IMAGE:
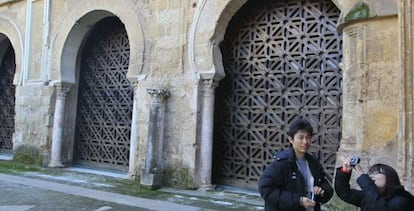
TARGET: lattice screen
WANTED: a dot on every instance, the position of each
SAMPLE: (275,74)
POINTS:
(105,98)
(7,100)
(281,60)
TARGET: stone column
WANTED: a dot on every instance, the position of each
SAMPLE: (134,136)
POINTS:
(153,173)
(58,124)
(134,137)
(207,129)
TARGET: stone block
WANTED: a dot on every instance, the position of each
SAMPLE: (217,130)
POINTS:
(154,181)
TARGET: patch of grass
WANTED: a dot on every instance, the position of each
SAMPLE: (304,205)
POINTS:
(16,167)
(336,204)
(28,154)
(133,187)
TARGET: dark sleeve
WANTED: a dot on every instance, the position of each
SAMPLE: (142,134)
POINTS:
(272,185)
(326,187)
(398,203)
(376,201)
(344,191)
(318,173)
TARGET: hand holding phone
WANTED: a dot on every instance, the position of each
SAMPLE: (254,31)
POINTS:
(312,196)
(353,161)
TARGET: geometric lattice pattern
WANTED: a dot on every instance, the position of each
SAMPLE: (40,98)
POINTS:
(7,100)
(105,98)
(281,60)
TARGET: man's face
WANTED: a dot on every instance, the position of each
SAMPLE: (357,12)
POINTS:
(301,141)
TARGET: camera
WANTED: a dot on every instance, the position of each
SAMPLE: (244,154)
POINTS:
(353,161)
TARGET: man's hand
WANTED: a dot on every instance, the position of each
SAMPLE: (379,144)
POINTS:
(318,191)
(307,202)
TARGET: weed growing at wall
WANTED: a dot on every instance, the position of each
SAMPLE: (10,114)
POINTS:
(28,154)
(179,178)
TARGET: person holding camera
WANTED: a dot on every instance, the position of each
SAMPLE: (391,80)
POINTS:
(295,180)
(381,188)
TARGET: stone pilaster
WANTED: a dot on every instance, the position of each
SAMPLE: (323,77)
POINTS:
(405,139)
(153,173)
(58,124)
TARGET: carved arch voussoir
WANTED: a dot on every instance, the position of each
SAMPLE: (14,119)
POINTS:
(67,39)
(207,32)
(11,32)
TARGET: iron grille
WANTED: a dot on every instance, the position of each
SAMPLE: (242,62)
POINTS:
(7,100)
(105,98)
(281,60)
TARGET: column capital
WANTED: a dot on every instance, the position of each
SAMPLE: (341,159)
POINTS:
(210,83)
(158,95)
(62,89)
(62,83)
(209,86)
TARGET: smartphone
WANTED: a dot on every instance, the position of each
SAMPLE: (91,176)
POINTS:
(312,196)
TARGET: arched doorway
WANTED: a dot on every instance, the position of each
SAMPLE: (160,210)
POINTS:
(104,112)
(7,96)
(281,60)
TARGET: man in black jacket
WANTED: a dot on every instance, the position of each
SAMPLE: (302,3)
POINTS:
(295,179)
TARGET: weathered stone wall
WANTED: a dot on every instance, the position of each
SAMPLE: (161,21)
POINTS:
(375,88)
(370,99)
(33,118)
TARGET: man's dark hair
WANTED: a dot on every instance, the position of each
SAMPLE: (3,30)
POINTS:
(299,124)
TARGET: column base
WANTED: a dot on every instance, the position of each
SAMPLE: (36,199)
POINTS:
(207,187)
(130,175)
(153,181)
(55,164)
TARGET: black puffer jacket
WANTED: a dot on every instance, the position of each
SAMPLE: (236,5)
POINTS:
(369,198)
(281,184)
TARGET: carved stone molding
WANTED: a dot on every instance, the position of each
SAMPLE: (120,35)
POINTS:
(405,140)
(8,1)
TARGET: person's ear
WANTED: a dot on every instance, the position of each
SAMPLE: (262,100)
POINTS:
(290,139)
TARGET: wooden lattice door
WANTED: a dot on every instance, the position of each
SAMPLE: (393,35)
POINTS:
(104,99)
(281,60)
(7,100)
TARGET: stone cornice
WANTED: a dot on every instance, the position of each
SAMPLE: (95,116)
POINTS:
(2,2)
(364,9)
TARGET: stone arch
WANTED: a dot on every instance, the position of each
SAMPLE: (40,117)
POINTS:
(66,42)
(204,51)
(72,30)
(9,30)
